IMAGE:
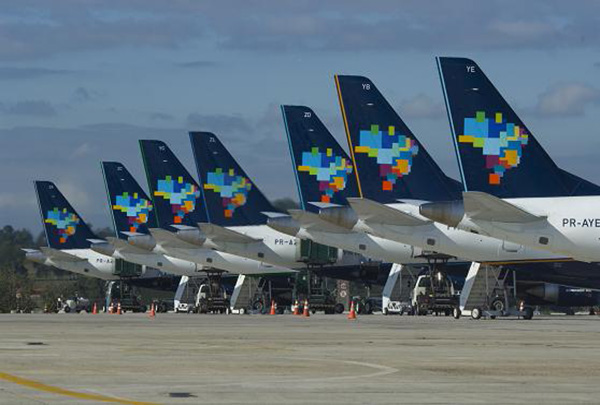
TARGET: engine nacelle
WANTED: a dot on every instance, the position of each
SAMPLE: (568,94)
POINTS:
(445,212)
(104,248)
(284,224)
(192,236)
(146,242)
(342,216)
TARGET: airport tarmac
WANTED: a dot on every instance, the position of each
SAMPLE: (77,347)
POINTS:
(285,359)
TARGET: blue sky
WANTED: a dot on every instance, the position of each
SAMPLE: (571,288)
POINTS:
(83,81)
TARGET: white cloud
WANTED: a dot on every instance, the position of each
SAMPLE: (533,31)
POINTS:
(421,106)
(567,99)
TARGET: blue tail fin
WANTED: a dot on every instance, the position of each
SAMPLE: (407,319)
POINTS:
(176,195)
(497,152)
(231,198)
(390,162)
(131,208)
(324,172)
(64,228)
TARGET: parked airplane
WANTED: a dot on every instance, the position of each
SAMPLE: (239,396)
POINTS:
(513,189)
(68,238)
(237,223)
(325,178)
(395,175)
(324,175)
(140,241)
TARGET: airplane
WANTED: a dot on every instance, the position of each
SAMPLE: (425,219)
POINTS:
(234,221)
(325,177)
(392,189)
(513,189)
(140,241)
(221,176)
(68,238)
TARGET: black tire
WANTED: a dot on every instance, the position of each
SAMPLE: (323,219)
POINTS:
(476,313)
(258,305)
(67,309)
(164,308)
(497,305)
(368,308)
(527,313)
(456,313)
(143,309)
(339,308)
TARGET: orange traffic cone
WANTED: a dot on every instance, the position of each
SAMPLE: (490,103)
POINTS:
(272,308)
(152,312)
(306,314)
(94,309)
(296,309)
(119,312)
(352,313)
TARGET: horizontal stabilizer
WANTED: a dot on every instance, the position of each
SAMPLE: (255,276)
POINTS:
(218,233)
(125,246)
(486,207)
(270,214)
(167,239)
(322,205)
(312,221)
(59,255)
(372,211)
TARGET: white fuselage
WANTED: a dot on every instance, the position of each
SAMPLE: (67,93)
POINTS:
(95,264)
(453,242)
(163,262)
(373,247)
(274,247)
(206,259)
(571,227)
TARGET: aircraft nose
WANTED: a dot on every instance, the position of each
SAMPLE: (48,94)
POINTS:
(446,212)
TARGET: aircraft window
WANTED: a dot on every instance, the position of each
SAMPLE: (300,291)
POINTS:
(544,240)
(424,282)
(209,260)
(430,241)
(362,247)
(261,254)
(159,264)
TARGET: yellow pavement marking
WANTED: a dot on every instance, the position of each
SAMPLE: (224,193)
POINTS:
(61,391)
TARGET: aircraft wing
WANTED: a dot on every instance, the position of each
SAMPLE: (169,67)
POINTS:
(221,234)
(310,220)
(372,211)
(486,207)
(59,255)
